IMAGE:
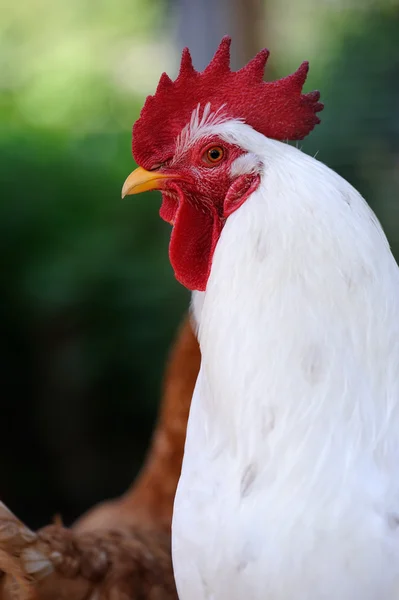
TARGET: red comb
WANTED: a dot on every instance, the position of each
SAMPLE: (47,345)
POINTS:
(277,109)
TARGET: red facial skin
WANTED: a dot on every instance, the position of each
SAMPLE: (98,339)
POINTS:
(197,204)
(200,202)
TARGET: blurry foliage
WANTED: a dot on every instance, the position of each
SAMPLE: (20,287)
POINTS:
(88,299)
(359,135)
(68,64)
(89,305)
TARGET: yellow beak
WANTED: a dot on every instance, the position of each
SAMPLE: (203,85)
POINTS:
(141,180)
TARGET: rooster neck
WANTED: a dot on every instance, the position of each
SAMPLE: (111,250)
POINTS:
(289,480)
(300,317)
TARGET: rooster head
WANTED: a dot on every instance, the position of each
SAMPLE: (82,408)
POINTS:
(204,176)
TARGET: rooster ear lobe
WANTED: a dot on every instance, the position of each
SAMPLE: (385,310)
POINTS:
(239,192)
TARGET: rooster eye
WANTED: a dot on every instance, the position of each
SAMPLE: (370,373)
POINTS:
(213,155)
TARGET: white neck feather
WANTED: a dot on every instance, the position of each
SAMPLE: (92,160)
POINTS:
(289,485)
(299,327)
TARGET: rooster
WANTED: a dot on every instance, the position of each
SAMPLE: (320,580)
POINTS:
(289,486)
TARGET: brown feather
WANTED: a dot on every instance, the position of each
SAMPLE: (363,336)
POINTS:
(120,550)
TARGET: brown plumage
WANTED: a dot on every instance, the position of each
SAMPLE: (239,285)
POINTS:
(119,550)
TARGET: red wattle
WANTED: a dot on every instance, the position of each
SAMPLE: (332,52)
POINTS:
(168,209)
(192,244)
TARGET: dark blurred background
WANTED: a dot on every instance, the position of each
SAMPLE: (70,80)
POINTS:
(89,304)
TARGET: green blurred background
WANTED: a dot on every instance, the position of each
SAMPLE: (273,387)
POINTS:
(89,304)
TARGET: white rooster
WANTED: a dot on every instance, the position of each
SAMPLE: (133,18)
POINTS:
(290,480)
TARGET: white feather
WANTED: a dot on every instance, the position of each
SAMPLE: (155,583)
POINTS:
(199,126)
(290,480)
(36,563)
